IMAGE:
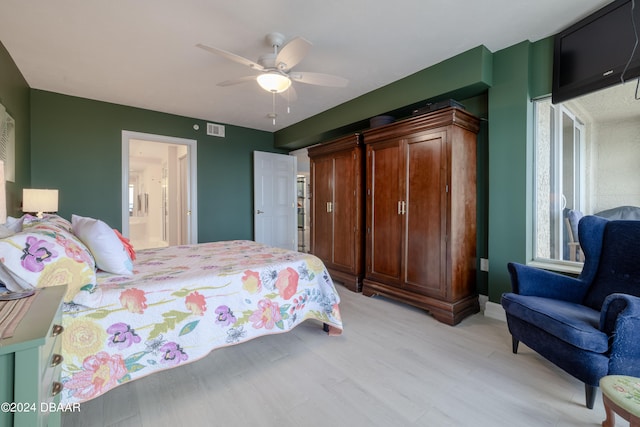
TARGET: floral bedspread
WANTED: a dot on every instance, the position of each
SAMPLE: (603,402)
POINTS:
(184,301)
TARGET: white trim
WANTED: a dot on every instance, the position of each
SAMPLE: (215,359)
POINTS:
(192,153)
(559,267)
(494,311)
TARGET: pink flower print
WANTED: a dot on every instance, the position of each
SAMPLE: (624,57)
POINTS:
(36,252)
(133,300)
(172,353)
(287,282)
(267,314)
(196,303)
(123,336)
(298,303)
(73,251)
(100,372)
(251,282)
(224,316)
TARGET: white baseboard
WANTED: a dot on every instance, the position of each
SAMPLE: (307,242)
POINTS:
(494,311)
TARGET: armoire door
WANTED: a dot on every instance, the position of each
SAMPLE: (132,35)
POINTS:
(384,213)
(322,199)
(344,206)
(425,218)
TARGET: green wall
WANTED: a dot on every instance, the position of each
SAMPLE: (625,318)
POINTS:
(509,209)
(14,96)
(521,72)
(76,146)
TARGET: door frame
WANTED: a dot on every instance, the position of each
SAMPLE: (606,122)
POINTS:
(192,176)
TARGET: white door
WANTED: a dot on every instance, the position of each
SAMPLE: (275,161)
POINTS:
(274,200)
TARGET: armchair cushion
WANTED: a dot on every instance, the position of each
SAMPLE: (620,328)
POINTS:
(618,272)
(532,281)
(573,323)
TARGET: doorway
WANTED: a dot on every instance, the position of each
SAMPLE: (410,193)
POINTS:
(158,190)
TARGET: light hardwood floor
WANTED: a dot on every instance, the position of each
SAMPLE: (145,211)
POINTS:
(394,365)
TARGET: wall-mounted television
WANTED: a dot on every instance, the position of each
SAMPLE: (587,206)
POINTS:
(592,54)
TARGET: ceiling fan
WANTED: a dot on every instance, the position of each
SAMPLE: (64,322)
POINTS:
(276,68)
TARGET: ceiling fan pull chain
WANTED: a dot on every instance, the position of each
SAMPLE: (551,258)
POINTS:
(273,107)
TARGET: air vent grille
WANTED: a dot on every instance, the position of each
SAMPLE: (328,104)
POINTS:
(214,129)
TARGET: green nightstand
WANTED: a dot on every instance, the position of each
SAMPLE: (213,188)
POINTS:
(30,364)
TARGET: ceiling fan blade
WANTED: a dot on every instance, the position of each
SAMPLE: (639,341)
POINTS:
(292,53)
(232,56)
(319,79)
(240,80)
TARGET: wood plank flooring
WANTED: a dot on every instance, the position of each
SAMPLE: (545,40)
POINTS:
(394,365)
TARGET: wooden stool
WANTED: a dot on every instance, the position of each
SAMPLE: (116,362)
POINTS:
(621,394)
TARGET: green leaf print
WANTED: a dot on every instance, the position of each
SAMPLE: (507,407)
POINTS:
(181,293)
(244,319)
(284,311)
(171,319)
(135,367)
(100,314)
(134,357)
(189,327)
(89,287)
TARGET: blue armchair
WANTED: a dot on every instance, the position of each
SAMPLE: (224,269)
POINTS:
(590,325)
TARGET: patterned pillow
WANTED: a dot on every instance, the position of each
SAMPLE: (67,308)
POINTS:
(47,222)
(46,255)
(110,253)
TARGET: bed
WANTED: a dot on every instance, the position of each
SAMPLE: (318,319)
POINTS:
(177,304)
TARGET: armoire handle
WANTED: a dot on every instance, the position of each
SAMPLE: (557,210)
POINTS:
(402,207)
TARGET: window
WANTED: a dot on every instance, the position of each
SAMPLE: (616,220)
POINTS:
(559,180)
(586,162)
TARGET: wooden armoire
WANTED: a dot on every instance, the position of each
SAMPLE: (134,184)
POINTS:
(337,208)
(421,213)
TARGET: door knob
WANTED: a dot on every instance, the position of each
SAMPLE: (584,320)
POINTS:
(259,211)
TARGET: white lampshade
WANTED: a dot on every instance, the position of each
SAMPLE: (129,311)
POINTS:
(274,82)
(37,200)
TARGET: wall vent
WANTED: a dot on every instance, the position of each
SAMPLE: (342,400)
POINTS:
(214,129)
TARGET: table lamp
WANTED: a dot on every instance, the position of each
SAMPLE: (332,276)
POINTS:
(39,200)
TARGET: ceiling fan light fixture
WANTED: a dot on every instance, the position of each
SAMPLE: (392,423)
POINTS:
(273,82)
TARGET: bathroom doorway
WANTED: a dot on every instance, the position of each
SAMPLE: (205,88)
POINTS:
(159,190)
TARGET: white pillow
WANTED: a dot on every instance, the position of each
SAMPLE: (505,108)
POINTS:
(107,248)
(11,227)
(14,224)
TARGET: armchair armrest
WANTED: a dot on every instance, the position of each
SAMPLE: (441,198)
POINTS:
(620,320)
(532,281)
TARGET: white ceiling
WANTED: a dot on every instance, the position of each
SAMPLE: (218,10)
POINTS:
(142,52)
